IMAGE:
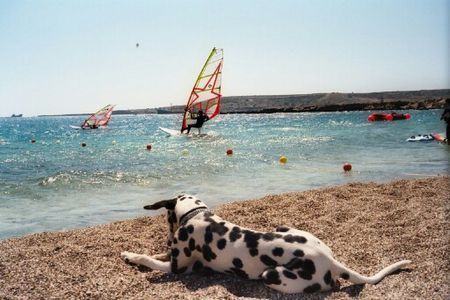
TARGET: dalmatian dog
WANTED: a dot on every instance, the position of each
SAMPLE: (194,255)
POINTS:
(287,260)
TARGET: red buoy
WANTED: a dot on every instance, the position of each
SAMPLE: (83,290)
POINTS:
(389,117)
(407,116)
(229,151)
(149,147)
(347,167)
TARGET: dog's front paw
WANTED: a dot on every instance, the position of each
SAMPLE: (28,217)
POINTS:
(129,257)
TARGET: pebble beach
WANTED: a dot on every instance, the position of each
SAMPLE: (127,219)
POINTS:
(367,225)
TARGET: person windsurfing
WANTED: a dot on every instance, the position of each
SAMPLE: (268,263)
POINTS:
(200,119)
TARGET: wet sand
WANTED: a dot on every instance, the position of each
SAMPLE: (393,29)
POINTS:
(367,225)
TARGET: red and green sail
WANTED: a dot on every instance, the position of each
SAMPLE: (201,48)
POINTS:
(100,118)
(206,93)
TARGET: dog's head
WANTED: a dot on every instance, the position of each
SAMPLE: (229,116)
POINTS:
(179,209)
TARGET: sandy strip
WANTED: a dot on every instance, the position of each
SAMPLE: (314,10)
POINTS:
(367,225)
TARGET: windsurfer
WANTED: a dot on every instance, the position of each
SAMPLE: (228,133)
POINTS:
(200,119)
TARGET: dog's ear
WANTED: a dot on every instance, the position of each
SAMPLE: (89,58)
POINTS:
(169,204)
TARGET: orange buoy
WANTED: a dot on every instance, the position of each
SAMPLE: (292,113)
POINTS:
(149,147)
(347,167)
(229,151)
(283,160)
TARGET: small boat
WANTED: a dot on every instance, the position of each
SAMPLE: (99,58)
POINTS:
(425,138)
(16,116)
(392,116)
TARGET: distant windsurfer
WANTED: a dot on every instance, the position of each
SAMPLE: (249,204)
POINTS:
(446,117)
(200,119)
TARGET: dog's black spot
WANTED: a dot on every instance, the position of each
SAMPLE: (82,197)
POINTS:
(309,266)
(268,261)
(300,239)
(295,263)
(219,228)
(278,251)
(345,276)
(183,198)
(272,277)
(312,288)
(332,283)
(304,275)
(282,229)
(175,241)
(169,243)
(198,266)
(235,234)
(238,263)
(327,278)
(221,243)
(289,275)
(308,269)
(190,228)
(198,202)
(240,273)
(175,252)
(253,252)
(192,244)
(208,236)
(270,236)
(251,238)
(208,254)
(198,248)
(299,252)
(289,238)
(183,234)
(187,252)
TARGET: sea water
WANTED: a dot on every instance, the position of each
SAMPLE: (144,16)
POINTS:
(56,184)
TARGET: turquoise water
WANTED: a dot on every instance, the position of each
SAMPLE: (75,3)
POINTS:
(55,184)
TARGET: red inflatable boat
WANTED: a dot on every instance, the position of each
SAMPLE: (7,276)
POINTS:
(388,117)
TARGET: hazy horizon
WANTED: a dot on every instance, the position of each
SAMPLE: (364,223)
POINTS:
(76,56)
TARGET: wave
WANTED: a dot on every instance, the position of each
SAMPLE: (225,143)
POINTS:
(81,178)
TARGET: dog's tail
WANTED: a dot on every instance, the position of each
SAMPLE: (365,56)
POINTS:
(344,272)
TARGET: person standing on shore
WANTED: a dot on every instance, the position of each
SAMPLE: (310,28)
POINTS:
(446,117)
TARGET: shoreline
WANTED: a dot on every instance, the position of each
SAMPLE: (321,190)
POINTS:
(367,225)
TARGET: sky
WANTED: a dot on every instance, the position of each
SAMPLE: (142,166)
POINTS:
(75,56)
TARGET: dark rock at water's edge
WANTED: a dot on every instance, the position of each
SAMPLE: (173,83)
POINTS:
(323,102)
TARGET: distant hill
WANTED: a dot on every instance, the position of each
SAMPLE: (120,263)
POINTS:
(423,99)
